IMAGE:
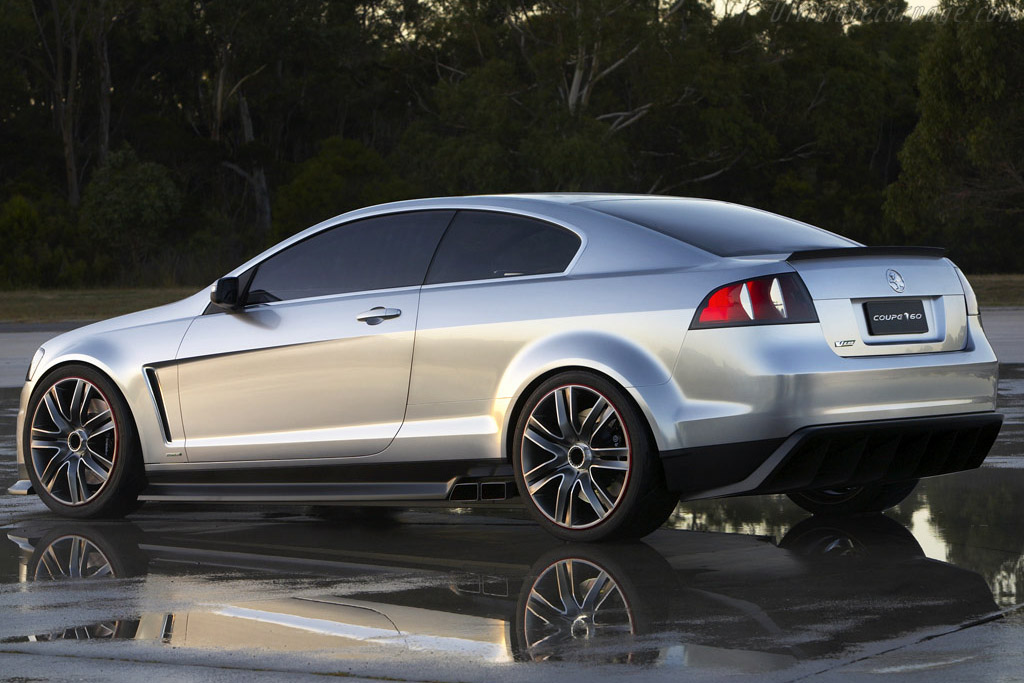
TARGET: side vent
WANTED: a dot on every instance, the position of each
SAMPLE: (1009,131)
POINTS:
(158,398)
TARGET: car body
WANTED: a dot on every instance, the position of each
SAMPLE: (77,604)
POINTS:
(428,350)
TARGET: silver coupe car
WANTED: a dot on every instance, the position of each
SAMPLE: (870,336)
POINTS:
(599,356)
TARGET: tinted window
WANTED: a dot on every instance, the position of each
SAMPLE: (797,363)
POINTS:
(481,245)
(722,229)
(373,253)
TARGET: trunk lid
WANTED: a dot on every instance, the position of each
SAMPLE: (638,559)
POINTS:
(875,301)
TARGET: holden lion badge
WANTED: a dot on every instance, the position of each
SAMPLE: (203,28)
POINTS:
(895,281)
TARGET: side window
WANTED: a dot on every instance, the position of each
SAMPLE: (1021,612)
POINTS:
(481,245)
(373,253)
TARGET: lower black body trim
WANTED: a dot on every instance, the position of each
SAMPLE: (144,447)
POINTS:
(296,493)
(830,456)
(357,471)
(334,483)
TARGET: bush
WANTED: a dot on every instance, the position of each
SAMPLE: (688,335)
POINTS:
(37,249)
(129,215)
(344,175)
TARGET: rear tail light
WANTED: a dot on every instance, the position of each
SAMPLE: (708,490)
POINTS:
(773,299)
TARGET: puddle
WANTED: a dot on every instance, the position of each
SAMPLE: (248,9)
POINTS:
(744,584)
(506,596)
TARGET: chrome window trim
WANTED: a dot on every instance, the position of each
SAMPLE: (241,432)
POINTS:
(324,297)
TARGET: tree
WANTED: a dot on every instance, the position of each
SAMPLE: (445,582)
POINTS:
(129,212)
(344,175)
(962,183)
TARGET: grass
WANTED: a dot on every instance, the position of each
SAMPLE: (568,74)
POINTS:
(59,305)
(998,290)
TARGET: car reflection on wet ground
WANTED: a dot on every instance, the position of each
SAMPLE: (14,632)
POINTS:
(729,587)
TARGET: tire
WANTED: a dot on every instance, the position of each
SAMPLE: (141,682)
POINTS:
(80,438)
(585,464)
(854,500)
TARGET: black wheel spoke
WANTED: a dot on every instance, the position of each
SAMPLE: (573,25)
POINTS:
(77,402)
(550,446)
(543,474)
(563,500)
(563,403)
(540,428)
(592,599)
(51,470)
(599,414)
(53,410)
(99,423)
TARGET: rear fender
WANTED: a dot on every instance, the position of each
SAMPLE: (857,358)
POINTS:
(620,360)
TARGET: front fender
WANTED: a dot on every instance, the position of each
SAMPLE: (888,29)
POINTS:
(120,354)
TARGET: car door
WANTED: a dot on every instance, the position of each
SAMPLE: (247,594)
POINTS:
(316,364)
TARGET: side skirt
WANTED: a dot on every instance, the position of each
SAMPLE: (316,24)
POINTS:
(434,482)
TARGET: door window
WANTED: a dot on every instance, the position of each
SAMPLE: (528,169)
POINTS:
(381,252)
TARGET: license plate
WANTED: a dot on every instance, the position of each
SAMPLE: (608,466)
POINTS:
(896,317)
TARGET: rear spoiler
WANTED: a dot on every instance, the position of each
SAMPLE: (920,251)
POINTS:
(843,252)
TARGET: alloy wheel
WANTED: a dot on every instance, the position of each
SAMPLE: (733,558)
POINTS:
(73,441)
(576,456)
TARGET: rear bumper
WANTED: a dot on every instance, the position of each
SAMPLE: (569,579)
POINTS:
(766,382)
(829,456)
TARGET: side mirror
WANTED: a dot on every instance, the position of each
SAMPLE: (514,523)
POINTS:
(225,293)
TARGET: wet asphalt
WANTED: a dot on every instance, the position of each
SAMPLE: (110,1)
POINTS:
(749,588)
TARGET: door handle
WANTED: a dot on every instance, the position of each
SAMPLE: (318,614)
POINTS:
(377,315)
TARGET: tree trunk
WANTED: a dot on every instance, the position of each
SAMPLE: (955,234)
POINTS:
(219,95)
(101,29)
(63,82)
(258,178)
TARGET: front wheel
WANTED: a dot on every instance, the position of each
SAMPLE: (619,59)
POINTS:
(584,462)
(81,448)
(854,500)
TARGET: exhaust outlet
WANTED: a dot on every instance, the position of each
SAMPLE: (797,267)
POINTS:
(494,490)
(465,491)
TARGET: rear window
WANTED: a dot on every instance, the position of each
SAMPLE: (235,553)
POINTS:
(722,229)
(481,245)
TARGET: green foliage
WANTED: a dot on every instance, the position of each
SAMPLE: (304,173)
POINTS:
(270,115)
(37,249)
(344,175)
(20,226)
(961,184)
(129,210)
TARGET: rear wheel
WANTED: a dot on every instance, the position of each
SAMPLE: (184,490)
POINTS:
(584,462)
(854,500)
(81,448)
